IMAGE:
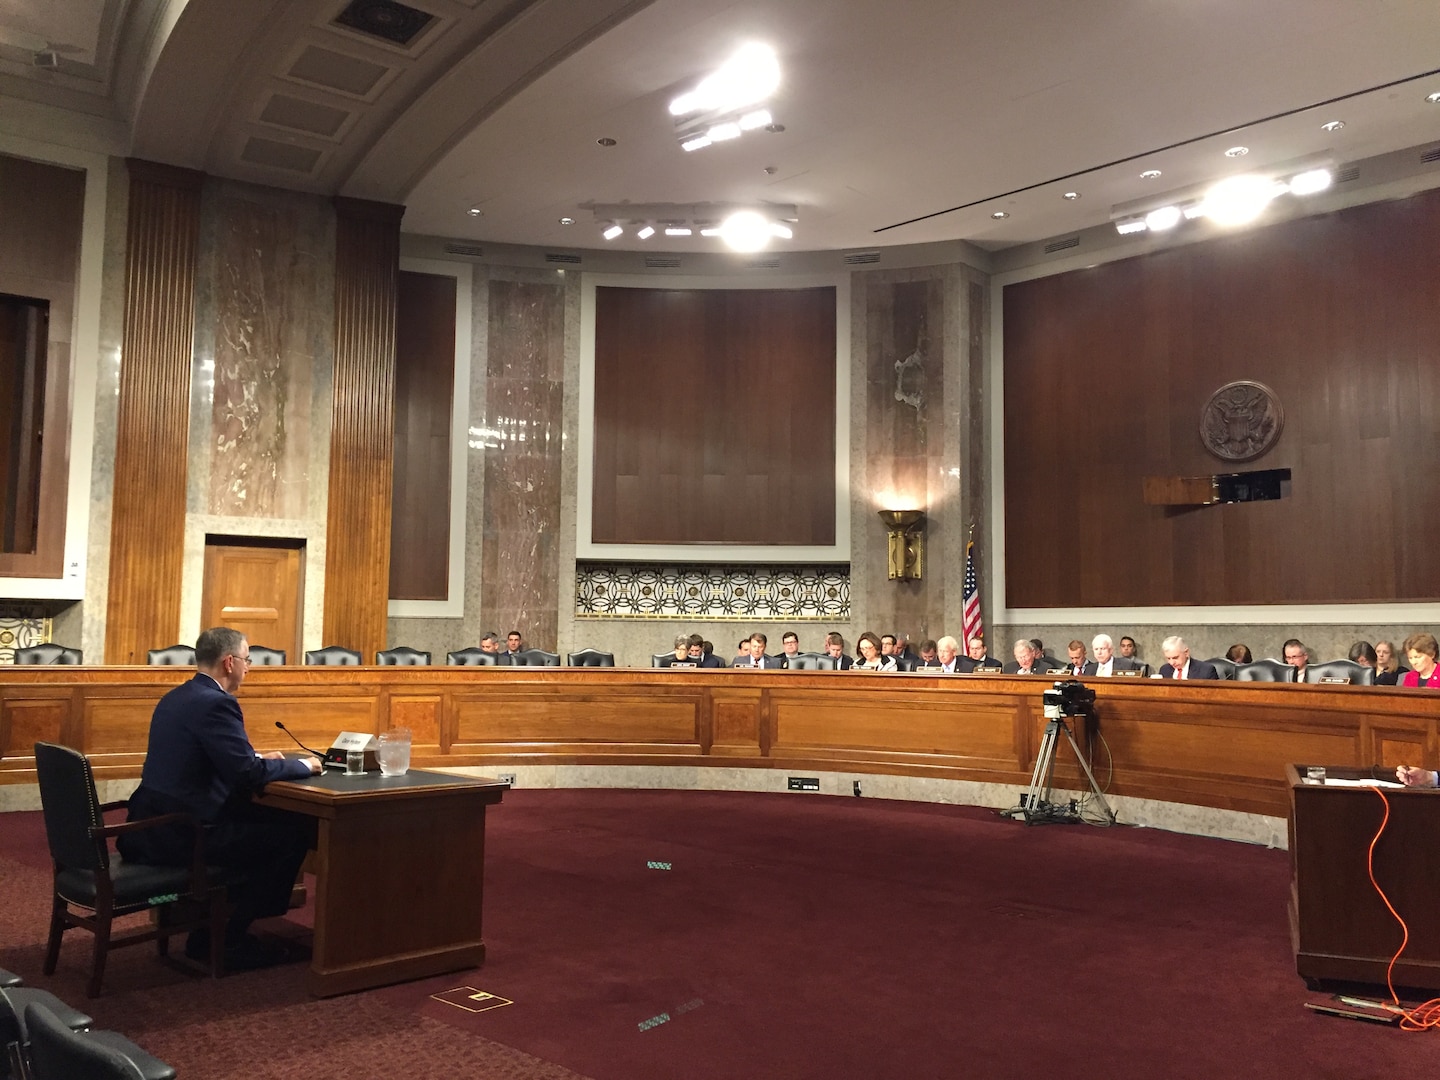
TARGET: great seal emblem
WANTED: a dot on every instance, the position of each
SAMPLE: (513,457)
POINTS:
(1241,421)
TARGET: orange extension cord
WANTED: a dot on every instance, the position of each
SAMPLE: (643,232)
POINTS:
(1422,1017)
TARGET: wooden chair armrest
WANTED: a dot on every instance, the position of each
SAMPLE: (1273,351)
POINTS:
(145,823)
(105,808)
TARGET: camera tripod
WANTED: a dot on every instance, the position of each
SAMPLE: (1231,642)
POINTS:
(1035,806)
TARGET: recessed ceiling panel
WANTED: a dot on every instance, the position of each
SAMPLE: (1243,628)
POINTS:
(278,155)
(286,111)
(337,71)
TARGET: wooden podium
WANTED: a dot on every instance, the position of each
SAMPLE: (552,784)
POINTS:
(399,874)
(1340,927)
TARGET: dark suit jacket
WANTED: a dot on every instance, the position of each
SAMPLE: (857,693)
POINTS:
(1040,668)
(965,666)
(1087,668)
(766,661)
(844,663)
(1199,669)
(712,661)
(199,756)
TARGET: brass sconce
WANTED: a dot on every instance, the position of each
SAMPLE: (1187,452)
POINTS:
(907,543)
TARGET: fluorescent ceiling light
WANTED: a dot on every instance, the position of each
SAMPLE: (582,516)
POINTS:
(721,132)
(710,232)
(1310,181)
(1239,200)
(758,119)
(699,142)
(677,232)
(645,233)
(748,77)
(782,231)
(612,232)
(1134,225)
(745,230)
(1166,217)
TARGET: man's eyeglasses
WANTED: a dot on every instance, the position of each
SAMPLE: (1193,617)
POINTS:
(237,656)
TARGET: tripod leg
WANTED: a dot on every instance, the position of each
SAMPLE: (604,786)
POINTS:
(1039,793)
(1094,787)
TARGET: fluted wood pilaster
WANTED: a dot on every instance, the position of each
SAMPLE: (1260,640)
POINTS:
(362,436)
(147,524)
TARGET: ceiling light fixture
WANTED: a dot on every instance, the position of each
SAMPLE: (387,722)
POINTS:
(698,142)
(647,232)
(730,100)
(606,141)
(724,132)
(1239,200)
(750,225)
(999,215)
(1150,174)
(1166,217)
(1433,99)
(1131,225)
(745,230)
(474,211)
(1237,151)
(612,232)
(1071,195)
(1310,182)
(1332,125)
(758,119)
(674,231)
(567,221)
(1233,201)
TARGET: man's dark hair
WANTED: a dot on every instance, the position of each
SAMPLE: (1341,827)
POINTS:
(757,636)
(515,633)
(1039,645)
(489,637)
(708,647)
(693,640)
(1128,638)
(790,635)
(215,644)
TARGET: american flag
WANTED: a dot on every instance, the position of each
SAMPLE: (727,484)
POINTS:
(972,624)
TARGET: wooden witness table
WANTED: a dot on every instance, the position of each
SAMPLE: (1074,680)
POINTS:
(399,874)
(1341,929)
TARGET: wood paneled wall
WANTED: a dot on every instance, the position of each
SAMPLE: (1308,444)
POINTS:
(147,522)
(714,416)
(1107,370)
(424,405)
(41,214)
(362,438)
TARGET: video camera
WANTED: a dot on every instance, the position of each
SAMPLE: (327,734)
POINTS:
(1069,698)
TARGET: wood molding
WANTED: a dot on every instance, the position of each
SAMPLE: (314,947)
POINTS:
(362,434)
(147,525)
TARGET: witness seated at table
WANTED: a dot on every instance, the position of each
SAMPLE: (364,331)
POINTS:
(1421,651)
(1239,654)
(1179,665)
(870,659)
(1387,668)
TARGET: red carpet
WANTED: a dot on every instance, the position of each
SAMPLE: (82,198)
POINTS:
(792,936)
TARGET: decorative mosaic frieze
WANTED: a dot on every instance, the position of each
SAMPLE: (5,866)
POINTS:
(21,627)
(661,591)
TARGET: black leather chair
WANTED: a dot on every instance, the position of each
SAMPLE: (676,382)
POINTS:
(809,661)
(1264,671)
(9,979)
(536,658)
(1353,673)
(260,656)
(333,656)
(88,876)
(904,663)
(173,656)
(48,654)
(1225,668)
(591,658)
(14,1034)
(57,1053)
(471,658)
(661,659)
(402,656)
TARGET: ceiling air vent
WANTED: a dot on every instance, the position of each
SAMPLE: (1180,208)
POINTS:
(661,262)
(475,251)
(1429,157)
(1350,172)
(384,19)
(562,257)
(861,258)
(762,264)
(1062,245)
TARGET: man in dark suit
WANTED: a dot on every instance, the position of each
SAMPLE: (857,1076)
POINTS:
(200,762)
(1028,660)
(1080,664)
(790,648)
(835,649)
(703,653)
(758,657)
(1178,664)
(514,646)
(1106,662)
(976,658)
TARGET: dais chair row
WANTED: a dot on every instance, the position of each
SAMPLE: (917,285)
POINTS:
(1275,671)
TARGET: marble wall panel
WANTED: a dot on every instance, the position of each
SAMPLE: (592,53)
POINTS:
(523,435)
(265,322)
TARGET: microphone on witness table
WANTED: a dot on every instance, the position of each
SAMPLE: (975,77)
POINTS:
(298,743)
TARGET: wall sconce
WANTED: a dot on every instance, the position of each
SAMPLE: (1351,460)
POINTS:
(907,543)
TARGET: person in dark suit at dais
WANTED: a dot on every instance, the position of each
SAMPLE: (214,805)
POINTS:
(1178,664)
(199,761)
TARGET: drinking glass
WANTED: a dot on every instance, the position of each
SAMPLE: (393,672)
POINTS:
(395,752)
(354,762)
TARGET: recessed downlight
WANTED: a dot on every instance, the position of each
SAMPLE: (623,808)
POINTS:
(606,141)
(567,221)
(999,215)
(1237,151)
(1433,99)
(1332,125)
(1071,195)
(1150,174)
(474,211)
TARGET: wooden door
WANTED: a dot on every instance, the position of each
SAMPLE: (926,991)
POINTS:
(255,588)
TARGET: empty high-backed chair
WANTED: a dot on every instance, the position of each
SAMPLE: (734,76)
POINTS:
(1264,671)
(537,658)
(174,656)
(1225,668)
(402,656)
(333,656)
(809,661)
(1353,673)
(471,658)
(661,659)
(48,654)
(14,1033)
(591,658)
(260,656)
(58,1053)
